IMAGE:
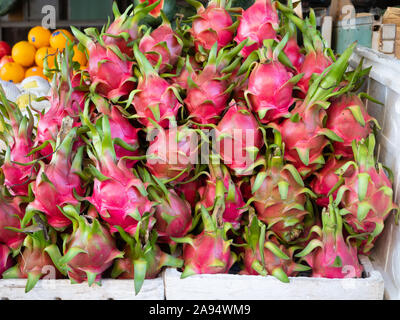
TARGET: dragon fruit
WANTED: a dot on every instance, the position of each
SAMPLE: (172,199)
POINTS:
(110,72)
(366,195)
(275,102)
(5,259)
(264,255)
(89,250)
(17,176)
(331,256)
(349,119)
(220,190)
(10,215)
(208,91)
(293,52)
(162,43)
(189,191)
(173,153)
(211,25)
(125,27)
(154,99)
(209,252)
(125,136)
(304,135)
(34,262)
(143,257)
(118,195)
(239,139)
(258,23)
(59,182)
(280,197)
(326,180)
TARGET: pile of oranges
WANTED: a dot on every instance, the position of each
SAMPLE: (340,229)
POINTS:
(28,57)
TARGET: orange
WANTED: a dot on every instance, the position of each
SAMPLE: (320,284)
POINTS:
(24,53)
(39,37)
(41,54)
(35,71)
(12,72)
(79,56)
(58,39)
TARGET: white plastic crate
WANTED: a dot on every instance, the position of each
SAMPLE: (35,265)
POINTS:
(14,289)
(384,85)
(243,287)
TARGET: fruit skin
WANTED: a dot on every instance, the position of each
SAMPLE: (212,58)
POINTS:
(220,190)
(165,43)
(280,198)
(155,98)
(5,49)
(330,256)
(5,59)
(274,103)
(58,39)
(39,37)
(257,23)
(326,178)
(172,153)
(89,250)
(35,71)
(12,72)
(10,215)
(211,25)
(366,195)
(118,195)
(209,252)
(5,259)
(79,56)
(48,53)
(58,182)
(24,53)
(18,176)
(342,121)
(239,149)
(293,52)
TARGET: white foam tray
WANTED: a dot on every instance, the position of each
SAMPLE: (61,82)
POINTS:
(14,289)
(242,287)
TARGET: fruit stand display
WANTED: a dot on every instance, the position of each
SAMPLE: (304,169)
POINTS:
(210,153)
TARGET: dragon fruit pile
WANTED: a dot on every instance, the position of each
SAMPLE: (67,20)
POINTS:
(213,144)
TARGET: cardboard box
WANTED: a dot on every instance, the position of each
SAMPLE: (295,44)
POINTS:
(392,16)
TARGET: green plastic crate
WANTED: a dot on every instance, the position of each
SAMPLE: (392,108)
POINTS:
(358,29)
(79,10)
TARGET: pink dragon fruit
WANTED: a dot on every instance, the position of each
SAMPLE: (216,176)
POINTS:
(162,42)
(279,197)
(331,256)
(239,139)
(10,215)
(349,119)
(118,195)
(211,25)
(258,23)
(221,191)
(274,103)
(304,135)
(110,72)
(122,132)
(293,52)
(58,182)
(326,179)
(124,29)
(209,252)
(208,91)
(173,153)
(17,176)
(184,71)
(154,99)
(34,262)
(143,258)
(89,250)
(5,259)
(189,191)
(366,195)
(275,259)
